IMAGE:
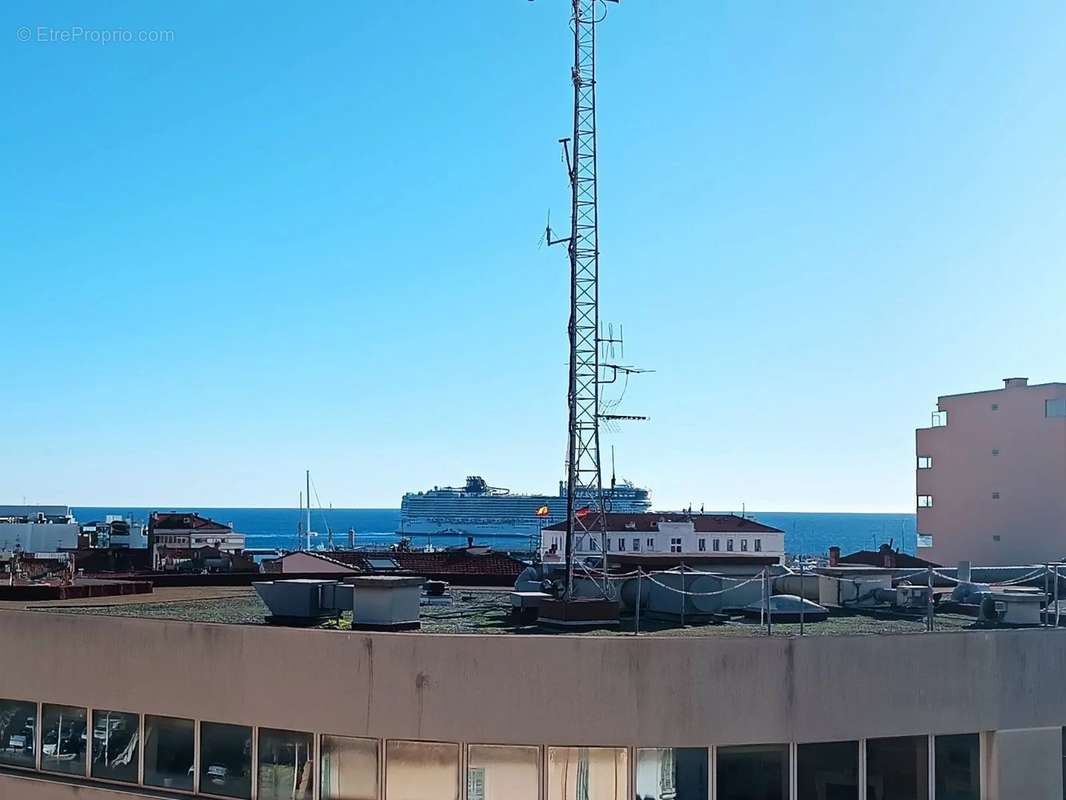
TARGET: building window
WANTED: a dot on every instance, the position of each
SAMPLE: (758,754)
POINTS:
(925,540)
(116,737)
(498,772)
(940,419)
(675,545)
(285,771)
(899,766)
(168,752)
(703,545)
(673,772)
(604,773)
(348,768)
(716,545)
(63,739)
(621,544)
(636,545)
(18,733)
(995,406)
(428,770)
(925,501)
(226,760)
(925,462)
(995,537)
(828,769)
(758,546)
(729,545)
(957,765)
(743,545)
(650,542)
(995,495)
(756,771)
(1055,408)
(995,452)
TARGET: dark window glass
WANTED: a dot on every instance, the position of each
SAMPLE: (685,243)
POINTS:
(672,772)
(285,771)
(897,768)
(759,772)
(349,768)
(225,760)
(958,767)
(63,742)
(116,739)
(18,732)
(168,752)
(828,771)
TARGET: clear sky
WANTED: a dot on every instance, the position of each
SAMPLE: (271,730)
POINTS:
(305,235)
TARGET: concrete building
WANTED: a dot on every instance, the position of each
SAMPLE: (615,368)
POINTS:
(697,535)
(991,476)
(180,530)
(973,715)
(38,529)
(118,532)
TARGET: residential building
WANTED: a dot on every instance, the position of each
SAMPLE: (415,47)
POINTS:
(490,716)
(685,534)
(38,529)
(185,530)
(991,476)
(118,532)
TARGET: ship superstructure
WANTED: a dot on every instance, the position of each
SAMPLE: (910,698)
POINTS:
(477,508)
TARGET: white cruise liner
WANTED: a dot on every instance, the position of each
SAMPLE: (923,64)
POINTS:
(478,508)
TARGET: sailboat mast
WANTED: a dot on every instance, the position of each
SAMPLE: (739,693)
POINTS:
(307,532)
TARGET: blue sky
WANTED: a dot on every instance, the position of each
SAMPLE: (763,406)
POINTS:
(306,235)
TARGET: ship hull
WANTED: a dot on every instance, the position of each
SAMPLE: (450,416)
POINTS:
(507,515)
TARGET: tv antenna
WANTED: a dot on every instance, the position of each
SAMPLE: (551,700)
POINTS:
(586,511)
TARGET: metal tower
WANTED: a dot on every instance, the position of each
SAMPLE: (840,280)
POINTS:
(585,507)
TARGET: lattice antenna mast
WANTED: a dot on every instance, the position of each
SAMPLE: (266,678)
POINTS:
(585,510)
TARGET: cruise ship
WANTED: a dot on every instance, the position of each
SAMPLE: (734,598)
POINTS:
(478,508)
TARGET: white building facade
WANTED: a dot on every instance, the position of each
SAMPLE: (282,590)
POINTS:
(38,529)
(698,535)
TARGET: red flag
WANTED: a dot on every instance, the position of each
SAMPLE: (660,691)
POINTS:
(583,512)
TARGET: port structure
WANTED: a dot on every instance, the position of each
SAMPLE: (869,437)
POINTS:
(585,507)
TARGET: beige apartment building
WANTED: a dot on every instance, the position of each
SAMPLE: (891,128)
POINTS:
(991,476)
(112,708)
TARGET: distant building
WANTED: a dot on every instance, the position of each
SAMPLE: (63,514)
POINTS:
(461,565)
(991,476)
(116,531)
(187,531)
(699,535)
(38,529)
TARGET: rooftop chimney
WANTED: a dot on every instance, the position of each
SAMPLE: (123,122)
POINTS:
(1011,383)
(834,556)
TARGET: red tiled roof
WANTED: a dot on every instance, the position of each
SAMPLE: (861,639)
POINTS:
(459,562)
(703,523)
(177,521)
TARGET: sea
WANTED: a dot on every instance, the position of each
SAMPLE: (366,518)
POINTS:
(276,528)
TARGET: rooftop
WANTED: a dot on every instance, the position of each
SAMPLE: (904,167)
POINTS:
(182,521)
(703,523)
(471,611)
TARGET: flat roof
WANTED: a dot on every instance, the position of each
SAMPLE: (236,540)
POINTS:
(1001,389)
(472,611)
